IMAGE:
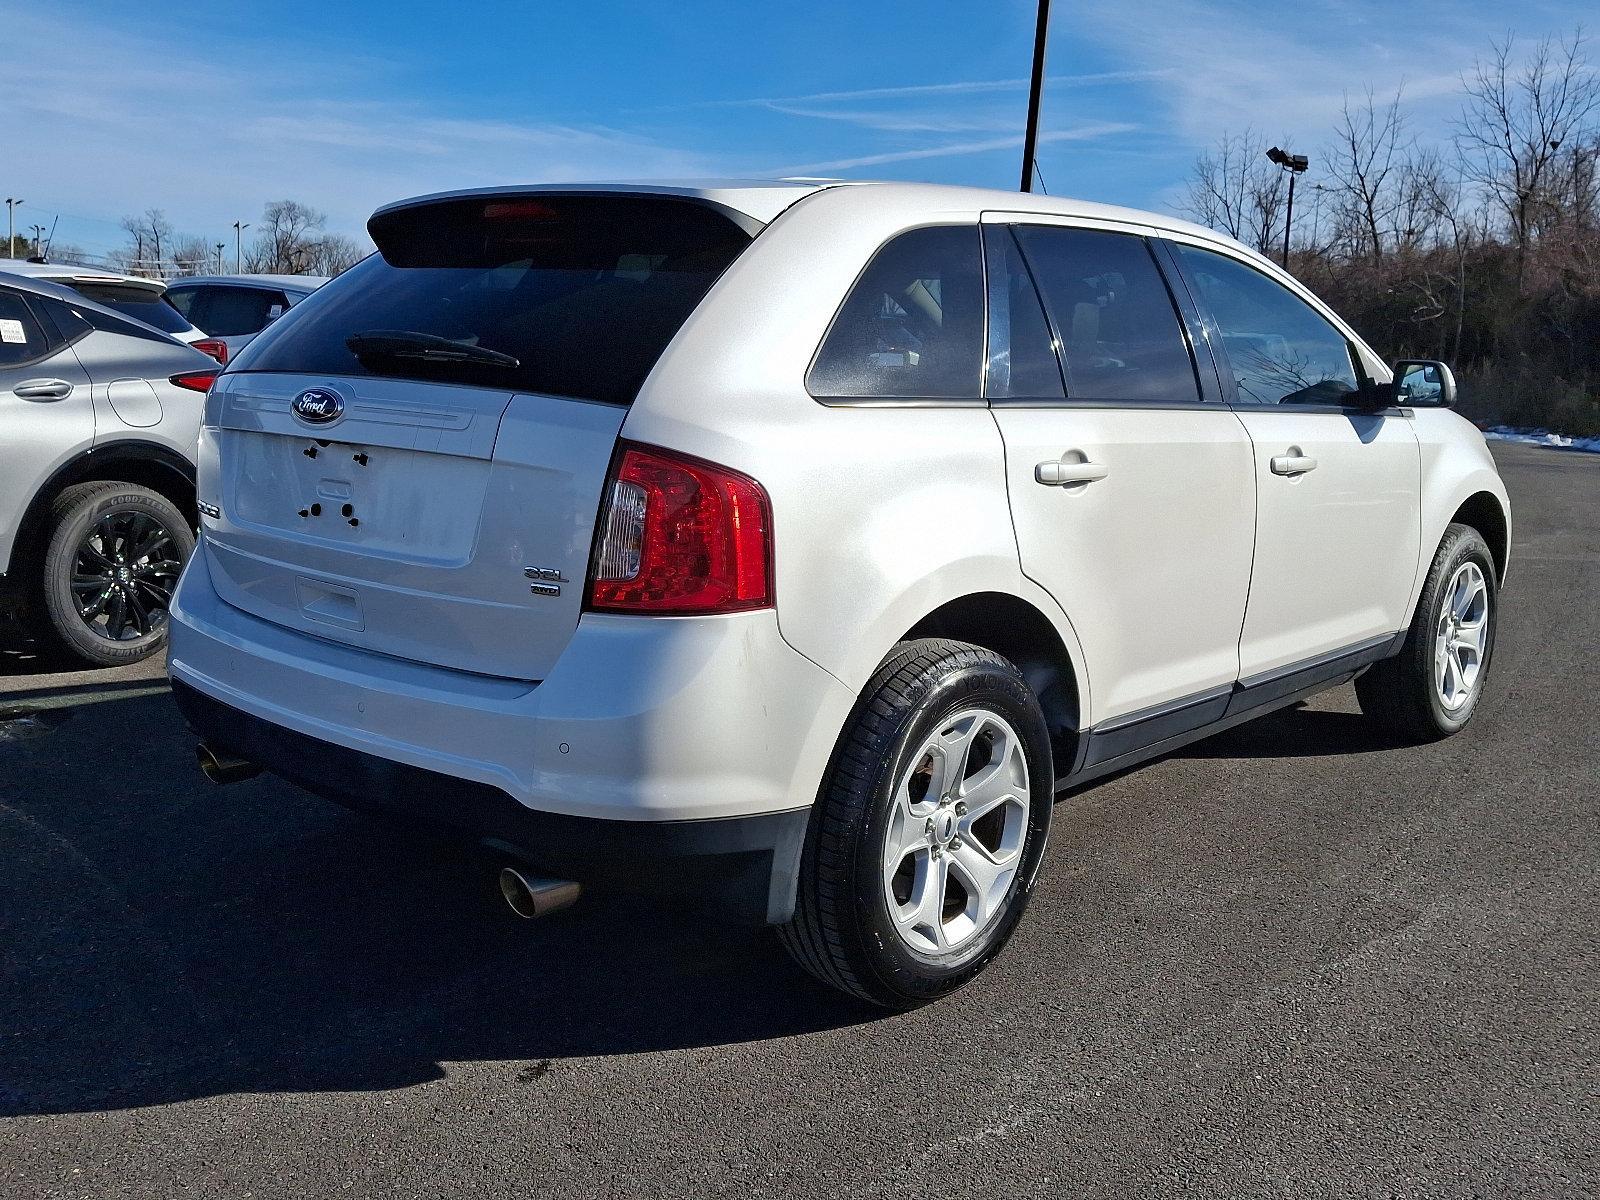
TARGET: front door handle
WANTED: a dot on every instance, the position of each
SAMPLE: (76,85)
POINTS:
(42,389)
(1293,464)
(1056,473)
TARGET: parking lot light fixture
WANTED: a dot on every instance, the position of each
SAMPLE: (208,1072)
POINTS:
(238,246)
(11,226)
(1295,164)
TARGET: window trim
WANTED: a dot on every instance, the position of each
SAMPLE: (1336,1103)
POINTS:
(1204,396)
(989,279)
(1358,350)
(978,401)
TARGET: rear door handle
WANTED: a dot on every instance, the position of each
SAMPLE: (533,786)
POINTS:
(42,389)
(1293,464)
(1056,473)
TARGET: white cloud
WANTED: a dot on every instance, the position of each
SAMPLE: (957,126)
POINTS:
(209,142)
(1286,69)
(959,87)
(951,149)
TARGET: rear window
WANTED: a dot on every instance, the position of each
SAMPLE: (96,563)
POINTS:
(229,311)
(139,303)
(584,292)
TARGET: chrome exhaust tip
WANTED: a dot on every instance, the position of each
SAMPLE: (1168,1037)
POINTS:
(221,767)
(531,897)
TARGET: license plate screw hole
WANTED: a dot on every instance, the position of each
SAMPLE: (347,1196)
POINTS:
(348,510)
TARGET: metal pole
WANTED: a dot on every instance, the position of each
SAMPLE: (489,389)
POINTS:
(11,226)
(1030,139)
(238,246)
(1288,220)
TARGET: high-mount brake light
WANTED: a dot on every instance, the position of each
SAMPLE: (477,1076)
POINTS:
(681,536)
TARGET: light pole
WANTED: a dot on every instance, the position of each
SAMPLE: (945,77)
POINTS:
(38,239)
(1295,164)
(11,226)
(1030,139)
(238,246)
(221,266)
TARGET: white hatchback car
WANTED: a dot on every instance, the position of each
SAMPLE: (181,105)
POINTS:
(795,545)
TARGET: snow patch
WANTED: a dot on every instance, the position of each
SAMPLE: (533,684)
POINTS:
(1541,437)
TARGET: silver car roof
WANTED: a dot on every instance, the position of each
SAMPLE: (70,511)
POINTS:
(50,270)
(38,286)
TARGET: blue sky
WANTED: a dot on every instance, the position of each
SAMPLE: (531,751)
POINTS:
(208,110)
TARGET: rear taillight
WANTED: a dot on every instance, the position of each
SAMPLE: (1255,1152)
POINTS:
(195,381)
(678,535)
(216,347)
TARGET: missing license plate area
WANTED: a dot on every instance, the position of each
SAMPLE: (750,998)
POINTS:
(419,505)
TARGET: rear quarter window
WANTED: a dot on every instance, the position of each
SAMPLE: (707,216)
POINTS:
(912,326)
(584,292)
(22,338)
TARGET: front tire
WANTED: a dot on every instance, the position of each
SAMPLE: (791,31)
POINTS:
(927,836)
(110,568)
(1431,688)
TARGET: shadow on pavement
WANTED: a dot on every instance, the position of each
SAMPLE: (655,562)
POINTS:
(162,940)
(1297,732)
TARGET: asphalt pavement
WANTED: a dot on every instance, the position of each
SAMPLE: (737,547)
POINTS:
(1297,959)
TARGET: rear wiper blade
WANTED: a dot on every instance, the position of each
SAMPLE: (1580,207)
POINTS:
(406,343)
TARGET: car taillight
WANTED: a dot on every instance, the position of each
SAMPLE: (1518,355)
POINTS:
(216,347)
(195,381)
(679,535)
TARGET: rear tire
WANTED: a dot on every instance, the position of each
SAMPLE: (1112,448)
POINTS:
(927,836)
(1431,688)
(110,568)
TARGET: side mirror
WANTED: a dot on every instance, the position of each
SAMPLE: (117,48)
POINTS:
(1424,382)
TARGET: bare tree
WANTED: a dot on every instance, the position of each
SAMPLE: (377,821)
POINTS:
(192,256)
(152,234)
(1236,190)
(333,253)
(288,233)
(1365,166)
(1515,122)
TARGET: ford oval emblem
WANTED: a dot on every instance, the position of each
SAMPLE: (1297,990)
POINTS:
(318,406)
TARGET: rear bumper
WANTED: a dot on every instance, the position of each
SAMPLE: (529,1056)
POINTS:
(651,740)
(741,867)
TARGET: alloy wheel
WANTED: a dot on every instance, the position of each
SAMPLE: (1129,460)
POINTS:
(954,839)
(1461,637)
(123,575)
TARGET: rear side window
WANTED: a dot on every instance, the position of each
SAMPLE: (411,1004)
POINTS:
(236,311)
(139,303)
(912,326)
(182,299)
(22,339)
(1281,350)
(582,292)
(1114,318)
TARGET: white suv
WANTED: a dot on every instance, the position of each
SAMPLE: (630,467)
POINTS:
(793,546)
